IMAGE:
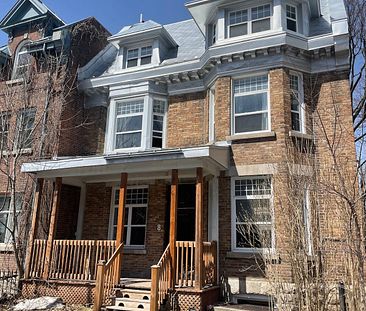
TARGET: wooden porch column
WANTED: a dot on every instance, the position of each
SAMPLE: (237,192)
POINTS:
(34,225)
(199,230)
(121,221)
(52,230)
(173,223)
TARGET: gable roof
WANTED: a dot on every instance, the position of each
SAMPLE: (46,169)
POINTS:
(25,11)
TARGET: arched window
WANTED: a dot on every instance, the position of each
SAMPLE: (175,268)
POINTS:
(23,61)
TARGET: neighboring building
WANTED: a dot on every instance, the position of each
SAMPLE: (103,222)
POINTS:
(216,102)
(37,97)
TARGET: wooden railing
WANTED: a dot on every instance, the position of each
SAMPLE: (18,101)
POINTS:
(185,264)
(71,259)
(210,263)
(37,258)
(161,280)
(106,278)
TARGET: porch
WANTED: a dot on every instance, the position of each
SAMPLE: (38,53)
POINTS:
(187,267)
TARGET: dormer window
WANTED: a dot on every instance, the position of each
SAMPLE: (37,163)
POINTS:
(253,20)
(139,56)
(291,17)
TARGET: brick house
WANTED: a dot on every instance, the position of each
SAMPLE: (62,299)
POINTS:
(192,125)
(39,45)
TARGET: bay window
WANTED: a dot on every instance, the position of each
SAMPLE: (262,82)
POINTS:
(136,124)
(135,216)
(251,20)
(250,104)
(252,213)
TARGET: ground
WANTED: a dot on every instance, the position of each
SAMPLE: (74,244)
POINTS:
(66,308)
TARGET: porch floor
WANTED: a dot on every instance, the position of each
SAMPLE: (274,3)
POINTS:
(131,283)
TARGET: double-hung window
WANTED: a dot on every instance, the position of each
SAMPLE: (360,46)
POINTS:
(25,128)
(253,20)
(134,234)
(23,63)
(291,17)
(129,118)
(252,212)
(7,217)
(4,130)
(139,56)
(251,107)
(297,106)
(158,123)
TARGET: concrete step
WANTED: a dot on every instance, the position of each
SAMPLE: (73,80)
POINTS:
(132,293)
(111,308)
(133,303)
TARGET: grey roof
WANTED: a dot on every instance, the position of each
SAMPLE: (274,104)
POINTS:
(139,27)
(190,40)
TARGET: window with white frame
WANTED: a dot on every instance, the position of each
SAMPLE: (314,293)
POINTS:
(23,62)
(134,234)
(139,124)
(158,123)
(251,20)
(251,106)
(291,17)
(214,34)
(4,130)
(129,117)
(139,56)
(252,213)
(7,217)
(297,105)
(25,128)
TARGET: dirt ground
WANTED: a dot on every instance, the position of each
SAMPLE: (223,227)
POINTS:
(66,308)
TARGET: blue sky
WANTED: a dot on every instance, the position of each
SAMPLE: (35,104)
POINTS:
(113,14)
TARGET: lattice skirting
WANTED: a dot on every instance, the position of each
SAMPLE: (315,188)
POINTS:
(70,292)
(189,299)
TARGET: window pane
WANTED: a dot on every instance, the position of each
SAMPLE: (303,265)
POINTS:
(295,105)
(238,30)
(251,84)
(138,216)
(129,124)
(158,123)
(130,140)
(157,142)
(238,17)
(132,63)
(253,210)
(136,106)
(146,51)
(3,222)
(290,11)
(251,123)
(257,186)
(137,196)
(4,203)
(146,60)
(294,83)
(291,25)
(261,25)
(115,218)
(137,236)
(132,53)
(295,118)
(253,236)
(251,103)
(261,11)
(159,106)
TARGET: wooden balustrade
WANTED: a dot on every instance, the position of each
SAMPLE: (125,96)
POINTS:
(160,280)
(37,258)
(106,278)
(210,263)
(185,264)
(71,259)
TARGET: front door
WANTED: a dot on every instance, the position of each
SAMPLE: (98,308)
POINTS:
(186,212)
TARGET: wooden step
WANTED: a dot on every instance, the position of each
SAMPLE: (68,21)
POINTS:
(132,293)
(122,308)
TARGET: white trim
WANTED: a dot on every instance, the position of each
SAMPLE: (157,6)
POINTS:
(211,122)
(301,99)
(80,223)
(233,216)
(308,223)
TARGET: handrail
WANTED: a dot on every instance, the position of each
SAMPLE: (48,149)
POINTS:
(161,275)
(106,278)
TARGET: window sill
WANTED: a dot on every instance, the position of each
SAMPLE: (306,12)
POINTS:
(134,251)
(5,248)
(15,81)
(300,135)
(27,151)
(254,254)
(249,136)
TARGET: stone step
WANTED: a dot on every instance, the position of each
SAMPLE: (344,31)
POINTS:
(133,303)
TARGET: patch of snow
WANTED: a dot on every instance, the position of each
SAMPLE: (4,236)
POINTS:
(41,303)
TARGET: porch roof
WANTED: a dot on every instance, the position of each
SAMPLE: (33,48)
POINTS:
(211,158)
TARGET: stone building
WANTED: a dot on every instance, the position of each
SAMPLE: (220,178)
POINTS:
(179,181)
